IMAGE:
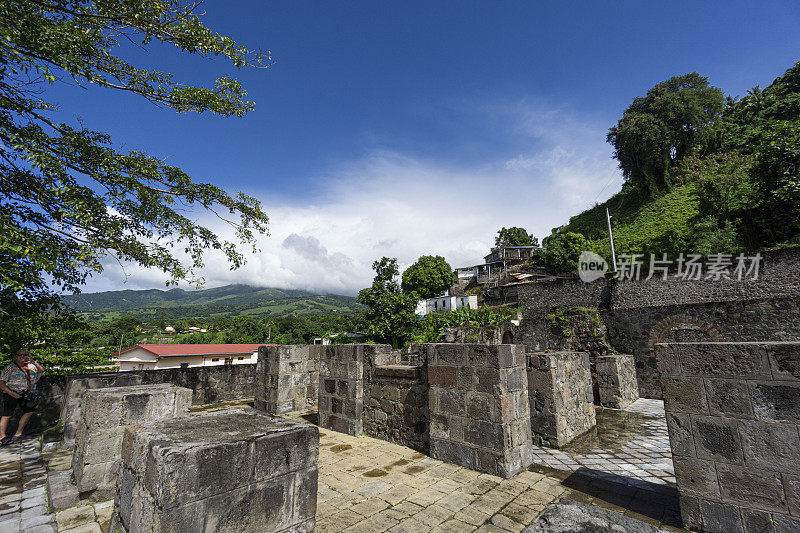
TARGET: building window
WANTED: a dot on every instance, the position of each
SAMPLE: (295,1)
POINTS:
(184,365)
(229,360)
(214,359)
(240,358)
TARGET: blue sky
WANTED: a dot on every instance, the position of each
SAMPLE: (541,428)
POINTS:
(403,129)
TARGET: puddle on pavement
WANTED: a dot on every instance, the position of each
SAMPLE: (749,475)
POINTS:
(336,448)
(614,429)
(400,462)
(375,473)
(416,469)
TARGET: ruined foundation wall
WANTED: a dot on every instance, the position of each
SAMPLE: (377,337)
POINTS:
(341,388)
(733,414)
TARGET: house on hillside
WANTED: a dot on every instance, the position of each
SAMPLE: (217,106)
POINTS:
(499,260)
(445,303)
(158,356)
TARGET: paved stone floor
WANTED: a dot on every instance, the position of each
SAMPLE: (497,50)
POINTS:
(628,447)
(23,502)
(369,485)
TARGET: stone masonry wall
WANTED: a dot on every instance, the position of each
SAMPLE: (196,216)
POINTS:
(287,377)
(480,416)
(230,470)
(396,405)
(209,384)
(560,395)
(733,413)
(749,310)
(616,380)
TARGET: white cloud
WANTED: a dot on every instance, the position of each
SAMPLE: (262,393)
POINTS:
(403,206)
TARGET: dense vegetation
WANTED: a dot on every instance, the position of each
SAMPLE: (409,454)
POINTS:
(704,173)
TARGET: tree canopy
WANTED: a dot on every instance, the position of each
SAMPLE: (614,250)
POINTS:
(661,128)
(68,198)
(430,276)
(563,249)
(514,236)
(390,314)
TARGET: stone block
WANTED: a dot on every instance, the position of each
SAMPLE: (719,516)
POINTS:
(724,359)
(442,376)
(776,402)
(770,446)
(680,435)
(791,484)
(684,395)
(561,402)
(717,439)
(230,470)
(728,397)
(720,517)
(747,487)
(696,476)
(104,415)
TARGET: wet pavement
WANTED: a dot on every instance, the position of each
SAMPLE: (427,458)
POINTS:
(627,447)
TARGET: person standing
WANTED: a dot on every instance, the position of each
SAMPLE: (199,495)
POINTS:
(16,379)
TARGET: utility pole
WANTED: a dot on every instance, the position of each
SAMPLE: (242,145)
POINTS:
(611,240)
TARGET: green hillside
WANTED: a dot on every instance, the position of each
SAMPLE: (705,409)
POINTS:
(230,300)
(704,173)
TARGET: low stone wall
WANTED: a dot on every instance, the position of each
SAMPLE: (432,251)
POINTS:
(104,415)
(396,406)
(480,417)
(733,411)
(209,384)
(616,381)
(561,399)
(230,470)
(287,377)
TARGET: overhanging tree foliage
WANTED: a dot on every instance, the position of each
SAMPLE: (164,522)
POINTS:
(68,198)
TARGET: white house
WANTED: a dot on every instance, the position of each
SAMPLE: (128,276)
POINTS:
(445,303)
(157,356)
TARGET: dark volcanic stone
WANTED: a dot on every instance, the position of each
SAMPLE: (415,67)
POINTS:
(567,516)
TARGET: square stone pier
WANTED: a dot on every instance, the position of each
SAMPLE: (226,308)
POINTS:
(733,414)
(561,397)
(231,470)
(104,415)
(616,380)
(479,411)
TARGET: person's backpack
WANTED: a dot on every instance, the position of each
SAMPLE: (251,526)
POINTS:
(31,398)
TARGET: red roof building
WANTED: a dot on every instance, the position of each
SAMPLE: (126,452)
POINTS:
(157,356)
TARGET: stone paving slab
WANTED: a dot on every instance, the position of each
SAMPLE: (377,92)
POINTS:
(23,502)
(629,446)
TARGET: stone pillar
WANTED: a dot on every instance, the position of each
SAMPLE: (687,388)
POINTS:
(104,415)
(341,388)
(478,400)
(286,377)
(561,398)
(229,470)
(616,379)
(733,414)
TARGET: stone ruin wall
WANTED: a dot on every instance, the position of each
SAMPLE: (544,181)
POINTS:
(639,314)
(62,395)
(733,415)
